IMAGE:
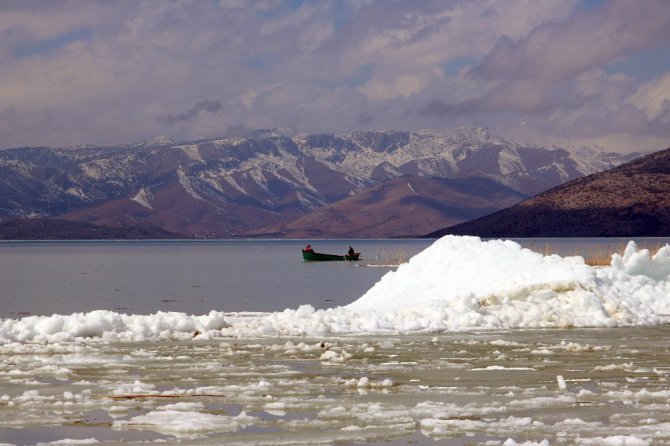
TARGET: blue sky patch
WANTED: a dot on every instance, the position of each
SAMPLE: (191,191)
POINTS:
(458,63)
(362,77)
(44,47)
(645,65)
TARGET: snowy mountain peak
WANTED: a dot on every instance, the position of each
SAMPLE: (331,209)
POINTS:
(270,133)
(157,141)
(474,132)
(268,177)
(160,141)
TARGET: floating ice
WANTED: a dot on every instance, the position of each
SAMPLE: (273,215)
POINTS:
(108,325)
(185,423)
(458,283)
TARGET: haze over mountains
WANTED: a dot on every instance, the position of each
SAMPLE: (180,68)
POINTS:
(630,200)
(359,184)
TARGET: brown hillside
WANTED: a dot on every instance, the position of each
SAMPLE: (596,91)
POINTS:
(405,206)
(630,200)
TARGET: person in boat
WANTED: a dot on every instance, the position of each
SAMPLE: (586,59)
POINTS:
(351,251)
(308,248)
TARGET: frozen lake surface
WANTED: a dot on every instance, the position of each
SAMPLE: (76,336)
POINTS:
(581,386)
(189,344)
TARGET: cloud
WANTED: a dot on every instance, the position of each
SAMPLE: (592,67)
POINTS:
(439,108)
(557,73)
(518,97)
(653,97)
(559,50)
(366,118)
(11,120)
(115,72)
(404,86)
(208,106)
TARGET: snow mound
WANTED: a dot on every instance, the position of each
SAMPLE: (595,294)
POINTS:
(472,283)
(458,283)
(454,268)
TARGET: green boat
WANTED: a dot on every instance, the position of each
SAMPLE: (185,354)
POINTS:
(312,255)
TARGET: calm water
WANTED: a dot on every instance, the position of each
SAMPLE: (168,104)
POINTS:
(187,276)
(195,277)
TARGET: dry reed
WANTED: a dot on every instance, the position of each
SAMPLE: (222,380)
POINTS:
(597,256)
(604,258)
(388,258)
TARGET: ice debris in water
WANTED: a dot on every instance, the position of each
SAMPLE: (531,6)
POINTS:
(178,420)
(457,283)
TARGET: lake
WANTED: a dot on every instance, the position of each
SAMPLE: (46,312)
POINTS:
(489,387)
(187,276)
(143,277)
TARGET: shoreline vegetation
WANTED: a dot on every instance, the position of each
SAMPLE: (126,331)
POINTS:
(597,256)
(386,258)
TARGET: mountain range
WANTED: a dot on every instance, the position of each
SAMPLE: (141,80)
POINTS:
(358,184)
(630,200)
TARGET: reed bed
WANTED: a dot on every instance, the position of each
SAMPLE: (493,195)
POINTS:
(603,257)
(395,257)
(593,256)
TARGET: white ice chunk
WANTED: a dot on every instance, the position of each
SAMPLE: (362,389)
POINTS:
(185,423)
(561,382)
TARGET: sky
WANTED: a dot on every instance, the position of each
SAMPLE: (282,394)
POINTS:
(103,72)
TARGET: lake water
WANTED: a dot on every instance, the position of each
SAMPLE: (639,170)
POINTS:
(142,277)
(186,276)
(571,386)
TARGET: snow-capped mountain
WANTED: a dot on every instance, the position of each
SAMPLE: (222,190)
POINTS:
(231,186)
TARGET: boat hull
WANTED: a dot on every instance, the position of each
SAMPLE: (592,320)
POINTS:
(318,256)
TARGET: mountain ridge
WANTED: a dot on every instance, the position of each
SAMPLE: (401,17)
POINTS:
(401,207)
(232,187)
(632,199)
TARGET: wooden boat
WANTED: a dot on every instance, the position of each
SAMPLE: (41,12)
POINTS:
(312,255)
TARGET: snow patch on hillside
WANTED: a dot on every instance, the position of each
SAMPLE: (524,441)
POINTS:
(258,177)
(588,159)
(231,180)
(193,152)
(76,192)
(509,162)
(144,197)
(186,184)
(91,170)
(306,202)
(411,188)
(284,166)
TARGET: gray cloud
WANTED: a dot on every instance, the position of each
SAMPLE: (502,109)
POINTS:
(556,72)
(207,105)
(328,66)
(440,108)
(366,118)
(559,50)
